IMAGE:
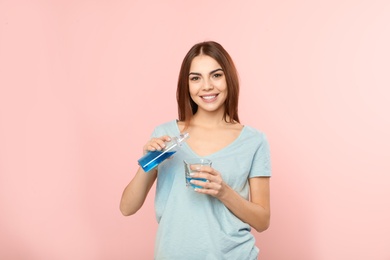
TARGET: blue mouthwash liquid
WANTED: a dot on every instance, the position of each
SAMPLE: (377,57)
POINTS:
(193,185)
(153,158)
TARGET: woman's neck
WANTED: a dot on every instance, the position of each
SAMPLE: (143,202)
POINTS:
(209,119)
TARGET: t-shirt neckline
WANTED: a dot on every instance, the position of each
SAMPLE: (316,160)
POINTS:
(216,152)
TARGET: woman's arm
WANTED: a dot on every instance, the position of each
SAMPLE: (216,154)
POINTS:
(255,212)
(134,195)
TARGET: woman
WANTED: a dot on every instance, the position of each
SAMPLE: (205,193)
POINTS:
(212,222)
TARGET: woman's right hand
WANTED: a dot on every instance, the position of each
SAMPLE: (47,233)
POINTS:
(156,144)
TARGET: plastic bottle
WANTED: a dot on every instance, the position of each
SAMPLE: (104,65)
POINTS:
(153,158)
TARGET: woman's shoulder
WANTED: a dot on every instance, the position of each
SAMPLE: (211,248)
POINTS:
(166,127)
(167,124)
(255,133)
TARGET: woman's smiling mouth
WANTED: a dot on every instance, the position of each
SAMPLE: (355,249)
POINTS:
(209,98)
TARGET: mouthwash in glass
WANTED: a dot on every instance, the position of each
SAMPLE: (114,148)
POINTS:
(153,158)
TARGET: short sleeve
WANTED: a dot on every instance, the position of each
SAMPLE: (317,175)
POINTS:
(168,128)
(261,164)
(158,132)
(154,133)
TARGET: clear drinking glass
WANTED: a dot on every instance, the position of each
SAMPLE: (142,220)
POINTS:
(196,164)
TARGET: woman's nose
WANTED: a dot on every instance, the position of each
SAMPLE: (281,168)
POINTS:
(207,85)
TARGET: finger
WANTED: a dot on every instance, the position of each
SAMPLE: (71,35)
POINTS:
(202,175)
(209,188)
(207,191)
(206,187)
(152,146)
(203,184)
(208,169)
(155,145)
(201,168)
(165,138)
(158,143)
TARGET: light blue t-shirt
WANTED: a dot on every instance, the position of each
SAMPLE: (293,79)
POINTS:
(194,226)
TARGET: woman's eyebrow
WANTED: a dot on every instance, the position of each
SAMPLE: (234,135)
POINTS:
(211,72)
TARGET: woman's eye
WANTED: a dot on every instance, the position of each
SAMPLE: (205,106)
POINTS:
(194,78)
(217,75)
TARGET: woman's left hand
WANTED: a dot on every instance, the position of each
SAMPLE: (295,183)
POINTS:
(214,184)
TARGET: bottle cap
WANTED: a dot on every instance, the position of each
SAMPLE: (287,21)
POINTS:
(182,138)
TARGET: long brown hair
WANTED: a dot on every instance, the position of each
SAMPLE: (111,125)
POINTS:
(186,106)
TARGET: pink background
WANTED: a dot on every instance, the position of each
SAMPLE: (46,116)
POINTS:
(83,83)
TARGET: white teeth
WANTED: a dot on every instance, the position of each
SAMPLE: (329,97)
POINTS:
(209,97)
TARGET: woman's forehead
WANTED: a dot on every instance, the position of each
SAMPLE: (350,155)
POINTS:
(204,64)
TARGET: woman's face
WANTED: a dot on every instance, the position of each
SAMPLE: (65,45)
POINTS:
(207,83)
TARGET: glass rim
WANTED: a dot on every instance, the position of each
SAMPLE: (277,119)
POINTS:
(197,161)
